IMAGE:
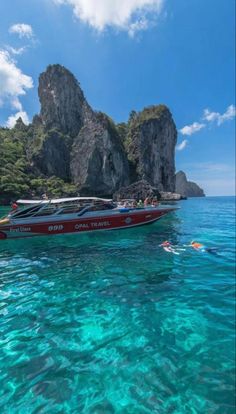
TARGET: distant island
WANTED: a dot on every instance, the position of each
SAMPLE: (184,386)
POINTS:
(69,148)
(187,188)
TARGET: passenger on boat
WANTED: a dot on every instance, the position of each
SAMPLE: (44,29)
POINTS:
(147,202)
(14,206)
(140,203)
(154,202)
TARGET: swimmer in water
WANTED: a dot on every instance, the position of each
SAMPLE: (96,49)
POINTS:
(168,247)
(197,246)
(200,247)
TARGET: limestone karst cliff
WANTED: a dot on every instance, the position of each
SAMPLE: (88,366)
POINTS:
(150,144)
(63,105)
(187,188)
(97,162)
(85,149)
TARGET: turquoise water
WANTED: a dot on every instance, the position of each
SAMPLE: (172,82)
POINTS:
(110,323)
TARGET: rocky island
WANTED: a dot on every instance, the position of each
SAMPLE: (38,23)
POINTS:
(69,148)
(187,188)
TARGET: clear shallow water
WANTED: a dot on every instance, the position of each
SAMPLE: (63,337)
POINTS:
(110,323)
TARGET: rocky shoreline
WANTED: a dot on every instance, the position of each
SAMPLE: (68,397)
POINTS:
(142,189)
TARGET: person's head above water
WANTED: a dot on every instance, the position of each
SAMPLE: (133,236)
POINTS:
(165,243)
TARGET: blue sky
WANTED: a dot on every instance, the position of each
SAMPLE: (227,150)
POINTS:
(129,54)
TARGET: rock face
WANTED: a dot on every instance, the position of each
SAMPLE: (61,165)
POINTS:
(68,141)
(102,157)
(187,188)
(138,191)
(53,156)
(63,104)
(96,161)
(150,144)
(167,196)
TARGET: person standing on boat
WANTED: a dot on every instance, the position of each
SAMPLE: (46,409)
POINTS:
(147,202)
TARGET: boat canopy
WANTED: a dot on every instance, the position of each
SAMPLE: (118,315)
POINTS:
(62,200)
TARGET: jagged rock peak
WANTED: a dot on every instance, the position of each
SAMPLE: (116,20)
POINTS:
(150,145)
(37,121)
(19,125)
(187,188)
(63,104)
(151,112)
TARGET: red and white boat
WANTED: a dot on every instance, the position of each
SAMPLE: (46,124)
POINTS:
(74,215)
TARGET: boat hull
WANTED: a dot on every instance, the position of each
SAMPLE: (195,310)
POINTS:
(81,225)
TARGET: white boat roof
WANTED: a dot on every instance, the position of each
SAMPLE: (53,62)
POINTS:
(62,200)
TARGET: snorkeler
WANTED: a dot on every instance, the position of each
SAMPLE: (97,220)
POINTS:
(170,248)
(197,246)
(167,246)
(200,247)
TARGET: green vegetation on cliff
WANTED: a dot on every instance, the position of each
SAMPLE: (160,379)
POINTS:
(70,148)
(136,121)
(18,175)
(14,180)
(35,159)
(148,113)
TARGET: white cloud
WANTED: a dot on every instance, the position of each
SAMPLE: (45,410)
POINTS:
(228,115)
(13,118)
(16,104)
(192,129)
(129,15)
(13,84)
(210,116)
(15,51)
(22,29)
(137,26)
(182,145)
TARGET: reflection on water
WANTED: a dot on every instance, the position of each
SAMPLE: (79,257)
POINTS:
(111,323)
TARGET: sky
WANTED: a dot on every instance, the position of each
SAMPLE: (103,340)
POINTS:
(128,54)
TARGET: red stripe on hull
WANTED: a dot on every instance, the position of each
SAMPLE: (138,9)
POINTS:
(81,225)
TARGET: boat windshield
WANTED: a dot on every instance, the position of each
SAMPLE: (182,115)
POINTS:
(67,207)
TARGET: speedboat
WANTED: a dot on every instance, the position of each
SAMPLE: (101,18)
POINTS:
(74,215)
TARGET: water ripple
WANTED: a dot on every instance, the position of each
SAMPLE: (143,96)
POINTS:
(111,323)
